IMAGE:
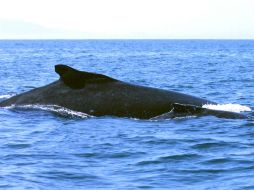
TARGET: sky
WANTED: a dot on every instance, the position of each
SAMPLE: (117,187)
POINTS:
(126,19)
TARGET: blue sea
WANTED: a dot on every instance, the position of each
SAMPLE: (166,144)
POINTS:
(42,149)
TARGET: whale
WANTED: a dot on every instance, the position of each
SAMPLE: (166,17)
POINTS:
(100,95)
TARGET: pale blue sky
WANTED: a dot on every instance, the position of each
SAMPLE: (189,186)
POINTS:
(86,19)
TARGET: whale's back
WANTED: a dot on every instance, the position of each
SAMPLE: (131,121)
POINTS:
(108,98)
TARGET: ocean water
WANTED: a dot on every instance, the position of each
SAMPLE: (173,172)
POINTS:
(47,149)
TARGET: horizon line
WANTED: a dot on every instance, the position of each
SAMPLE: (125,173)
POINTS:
(47,39)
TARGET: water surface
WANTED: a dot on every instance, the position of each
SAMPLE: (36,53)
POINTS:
(45,150)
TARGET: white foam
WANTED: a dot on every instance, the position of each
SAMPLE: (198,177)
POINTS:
(6,96)
(52,108)
(227,107)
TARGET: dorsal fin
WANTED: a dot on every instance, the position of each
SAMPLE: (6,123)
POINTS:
(78,79)
(63,69)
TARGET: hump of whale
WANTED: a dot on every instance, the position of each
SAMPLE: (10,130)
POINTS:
(76,79)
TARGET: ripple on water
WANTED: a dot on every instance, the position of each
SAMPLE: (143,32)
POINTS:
(170,159)
(212,145)
(17,146)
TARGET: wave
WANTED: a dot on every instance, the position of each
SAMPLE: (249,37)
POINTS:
(52,108)
(62,111)
(227,107)
(6,96)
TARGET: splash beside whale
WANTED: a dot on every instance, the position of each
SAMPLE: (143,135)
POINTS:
(100,95)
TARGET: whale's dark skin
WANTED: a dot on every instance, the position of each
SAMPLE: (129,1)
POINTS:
(100,95)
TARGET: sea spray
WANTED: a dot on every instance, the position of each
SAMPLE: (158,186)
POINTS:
(227,107)
(51,108)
